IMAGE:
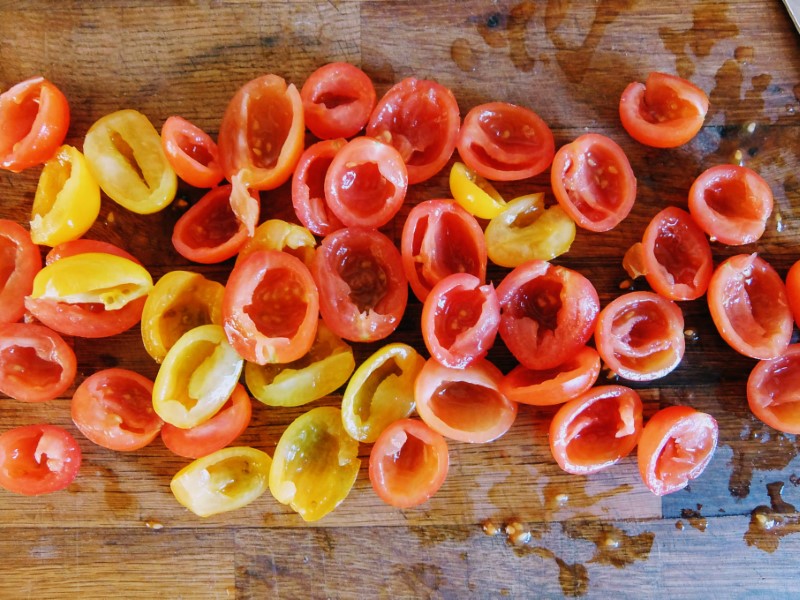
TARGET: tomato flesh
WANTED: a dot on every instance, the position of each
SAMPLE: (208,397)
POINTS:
(38,459)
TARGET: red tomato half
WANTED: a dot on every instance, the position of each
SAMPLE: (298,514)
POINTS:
(640,336)
(464,404)
(441,238)
(83,245)
(270,308)
(547,313)
(460,318)
(212,435)
(677,255)
(35,117)
(210,232)
(366,183)
(36,364)
(664,112)
(553,386)
(308,187)
(749,306)
(114,409)
(363,290)
(594,182)
(793,290)
(262,133)
(505,142)
(773,391)
(191,153)
(19,262)
(408,463)
(338,99)
(420,118)
(596,429)
(731,204)
(675,447)
(38,459)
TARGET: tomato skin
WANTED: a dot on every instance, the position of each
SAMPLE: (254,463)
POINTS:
(22,449)
(677,256)
(35,117)
(210,232)
(363,289)
(215,433)
(475,193)
(420,118)
(36,364)
(308,187)
(793,290)
(639,336)
(124,153)
(749,306)
(731,204)
(277,234)
(594,182)
(505,142)
(596,430)
(408,463)
(114,409)
(338,99)
(84,245)
(191,152)
(20,261)
(270,308)
(547,313)
(380,391)
(366,183)
(664,112)
(261,134)
(460,318)
(676,445)
(772,390)
(440,238)
(553,386)
(315,464)
(222,481)
(466,404)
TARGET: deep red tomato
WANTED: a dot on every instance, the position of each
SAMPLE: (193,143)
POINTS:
(270,308)
(83,245)
(408,463)
(114,409)
(363,290)
(460,318)
(466,404)
(210,232)
(20,260)
(35,117)
(191,152)
(793,290)
(420,118)
(553,386)
(547,313)
(212,435)
(441,238)
(308,187)
(366,183)
(38,459)
(596,429)
(338,99)
(594,182)
(749,306)
(675,447)
(639,336)
(664,112)
(731,204)
(505,142)
(36,364)
(773,389)
(262,133)
(677,255)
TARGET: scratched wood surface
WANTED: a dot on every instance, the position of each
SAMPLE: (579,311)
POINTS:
(118,530)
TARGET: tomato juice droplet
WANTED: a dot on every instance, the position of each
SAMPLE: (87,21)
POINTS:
(463,55)
(768,524)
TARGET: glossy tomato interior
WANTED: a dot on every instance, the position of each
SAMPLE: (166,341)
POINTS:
(279,304)
(466,406)
(270,115)
(601,432)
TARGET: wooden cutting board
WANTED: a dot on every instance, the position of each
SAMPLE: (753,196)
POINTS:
(118,530)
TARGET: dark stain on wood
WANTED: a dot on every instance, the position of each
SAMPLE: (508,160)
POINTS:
(768,524)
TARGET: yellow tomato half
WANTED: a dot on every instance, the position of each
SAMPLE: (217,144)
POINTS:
(474,193)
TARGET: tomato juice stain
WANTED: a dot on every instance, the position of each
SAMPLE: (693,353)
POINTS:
(508,30)
(462,54)
(768,524)
(695,519)
(773,452)
(679,525)
(613,545)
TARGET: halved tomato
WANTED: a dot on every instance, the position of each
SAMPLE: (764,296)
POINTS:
(308,187)
(773,391)
(192,153)
(20,261)
(38,459)
(793,290)
(338,99)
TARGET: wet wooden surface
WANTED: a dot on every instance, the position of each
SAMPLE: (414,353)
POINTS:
(118,530)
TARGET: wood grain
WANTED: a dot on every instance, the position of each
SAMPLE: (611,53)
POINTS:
(596,536)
